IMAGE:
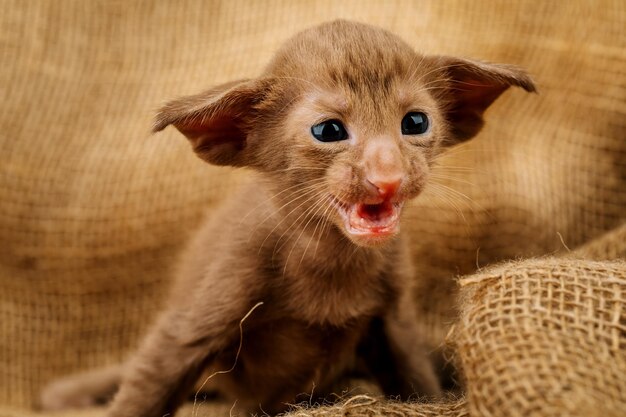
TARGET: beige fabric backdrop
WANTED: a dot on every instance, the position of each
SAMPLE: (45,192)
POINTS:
(94,209)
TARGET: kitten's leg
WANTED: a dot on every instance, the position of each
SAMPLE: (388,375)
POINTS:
(414,369)
(174,354)
(81,390)
(157,376)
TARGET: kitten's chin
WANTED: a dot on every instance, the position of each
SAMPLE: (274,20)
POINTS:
(370,224)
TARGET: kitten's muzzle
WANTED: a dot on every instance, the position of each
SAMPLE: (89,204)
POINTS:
(370,220)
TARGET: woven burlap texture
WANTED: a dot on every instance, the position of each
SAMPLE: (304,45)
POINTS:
(94,209)
(545,338)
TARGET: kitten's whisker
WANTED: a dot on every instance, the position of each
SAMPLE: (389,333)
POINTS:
(325,221)
(446,167)
(299,194)
(291,198)
(298,168)
(451,178)
(452,190)
(322,202)
(481,149)
(274,196)
(300,188)
(451,196)
(435,200)
(276,248)
(443,194)
(309,212)
(310,194)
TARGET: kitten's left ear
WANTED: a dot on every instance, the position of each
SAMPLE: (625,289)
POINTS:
(217,121)
(472,87)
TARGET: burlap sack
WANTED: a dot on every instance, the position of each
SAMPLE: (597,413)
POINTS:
(545,338)
(94,210)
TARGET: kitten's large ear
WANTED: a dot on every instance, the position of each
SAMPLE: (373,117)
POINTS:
(217,121)
(472,87)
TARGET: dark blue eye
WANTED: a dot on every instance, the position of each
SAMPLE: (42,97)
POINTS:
(414,123)
(329,131)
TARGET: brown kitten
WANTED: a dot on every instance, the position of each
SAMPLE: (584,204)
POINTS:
(342,128)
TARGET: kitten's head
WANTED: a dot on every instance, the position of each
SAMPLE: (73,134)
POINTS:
(346,120)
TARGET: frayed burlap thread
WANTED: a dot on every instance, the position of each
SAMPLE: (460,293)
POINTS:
(366,406)
(544,337)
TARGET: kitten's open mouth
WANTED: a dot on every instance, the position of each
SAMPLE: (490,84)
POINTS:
(370,219)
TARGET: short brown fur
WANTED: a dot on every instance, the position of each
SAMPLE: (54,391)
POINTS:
(281,242)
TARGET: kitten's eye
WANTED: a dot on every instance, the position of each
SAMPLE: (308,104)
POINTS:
(329,131)
(414,123)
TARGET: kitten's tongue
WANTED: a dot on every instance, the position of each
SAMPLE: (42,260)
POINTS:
(373,219)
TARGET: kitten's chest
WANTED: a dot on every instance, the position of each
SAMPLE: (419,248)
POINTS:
(322,293)
(331,281)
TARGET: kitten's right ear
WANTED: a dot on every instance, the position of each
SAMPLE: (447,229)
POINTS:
(217,121)
(472,86)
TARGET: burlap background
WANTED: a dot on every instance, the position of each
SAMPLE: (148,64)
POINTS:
(94,209)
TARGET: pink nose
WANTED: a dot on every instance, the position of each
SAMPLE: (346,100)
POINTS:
(387,186)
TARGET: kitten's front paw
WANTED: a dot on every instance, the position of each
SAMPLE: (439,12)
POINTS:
(66,393)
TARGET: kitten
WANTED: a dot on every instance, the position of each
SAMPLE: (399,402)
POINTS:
(303,273)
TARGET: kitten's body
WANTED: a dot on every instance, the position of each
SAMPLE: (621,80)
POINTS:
(318,295)
(314,237)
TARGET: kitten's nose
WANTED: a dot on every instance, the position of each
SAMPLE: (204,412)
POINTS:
(387,187)
(383,167)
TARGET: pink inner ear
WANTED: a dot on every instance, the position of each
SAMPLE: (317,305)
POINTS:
(478,94)
(471,97)
(208,135)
